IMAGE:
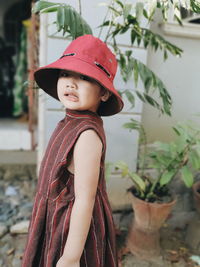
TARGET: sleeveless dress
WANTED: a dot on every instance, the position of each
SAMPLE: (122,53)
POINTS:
(53,202)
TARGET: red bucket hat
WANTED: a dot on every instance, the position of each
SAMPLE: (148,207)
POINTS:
(89,56)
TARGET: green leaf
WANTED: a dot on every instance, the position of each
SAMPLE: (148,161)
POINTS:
(135,72)
(133,125)
(165,55)
(140,95)
(151,101)
(166,177)
(77,25)
(106,23)
(123,167)
(119,3)
(122,61)
(194,158)
(176,130)
(130,97)
(178,20)
(60,18)
(66,18)
(195,6)
(187,176)
(115,11)
(138,180)
(145,14)
(133,36)
(44,5)
(128,53)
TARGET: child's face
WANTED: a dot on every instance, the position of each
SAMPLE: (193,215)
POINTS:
(78,92)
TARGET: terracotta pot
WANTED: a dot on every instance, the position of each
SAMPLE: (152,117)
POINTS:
(196,194)
(144,237)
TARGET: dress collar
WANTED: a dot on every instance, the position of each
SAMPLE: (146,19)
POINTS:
(82,114)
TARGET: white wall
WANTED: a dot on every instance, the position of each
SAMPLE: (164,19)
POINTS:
(182,79)
(121,144)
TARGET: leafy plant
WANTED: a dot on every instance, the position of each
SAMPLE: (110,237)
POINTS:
(68,20)
(181,157)
(126,17)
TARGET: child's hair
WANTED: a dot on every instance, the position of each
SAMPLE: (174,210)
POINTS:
(89,56)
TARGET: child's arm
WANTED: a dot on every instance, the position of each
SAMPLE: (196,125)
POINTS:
(87,156)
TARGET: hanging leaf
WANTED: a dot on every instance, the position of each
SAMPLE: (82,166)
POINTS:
(145,14)
(133,36)
(72,23)
(68,19)
(45,6)
(133,125)
(119,3)
(135,71)
(152,101)
(130,97)
(187,176)
(60,18)
(140,95)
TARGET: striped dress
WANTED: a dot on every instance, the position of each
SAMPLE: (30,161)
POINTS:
(49,224)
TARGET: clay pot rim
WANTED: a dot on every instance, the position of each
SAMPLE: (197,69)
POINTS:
(155,204)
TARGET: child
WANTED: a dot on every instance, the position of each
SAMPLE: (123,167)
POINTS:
(71,223)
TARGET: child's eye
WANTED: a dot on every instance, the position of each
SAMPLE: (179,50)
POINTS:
(85,78)
(64,74)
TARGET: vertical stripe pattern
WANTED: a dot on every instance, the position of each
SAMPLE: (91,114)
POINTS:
(53,203)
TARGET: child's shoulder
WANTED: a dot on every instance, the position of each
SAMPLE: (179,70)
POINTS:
(90,138)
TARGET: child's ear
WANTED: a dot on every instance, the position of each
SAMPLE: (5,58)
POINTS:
(105,95)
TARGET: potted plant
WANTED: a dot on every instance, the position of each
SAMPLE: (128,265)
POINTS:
(151,197)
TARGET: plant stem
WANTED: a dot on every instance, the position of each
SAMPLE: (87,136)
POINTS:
(110,25)
(143,134)
(101,29)
(80,9)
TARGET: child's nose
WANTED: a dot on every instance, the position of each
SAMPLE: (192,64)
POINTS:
(71,83)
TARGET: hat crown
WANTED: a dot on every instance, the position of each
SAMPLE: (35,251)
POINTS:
(95,52)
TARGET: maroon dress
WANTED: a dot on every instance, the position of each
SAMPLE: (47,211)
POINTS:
(49,224)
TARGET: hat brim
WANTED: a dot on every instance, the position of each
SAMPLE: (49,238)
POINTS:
(47,77)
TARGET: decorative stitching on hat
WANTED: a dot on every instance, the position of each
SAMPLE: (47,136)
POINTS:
(67,55)
(102,68)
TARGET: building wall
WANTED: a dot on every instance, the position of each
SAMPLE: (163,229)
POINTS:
(181,77)
(121,144)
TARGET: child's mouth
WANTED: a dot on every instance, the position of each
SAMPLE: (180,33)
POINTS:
(71,97)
